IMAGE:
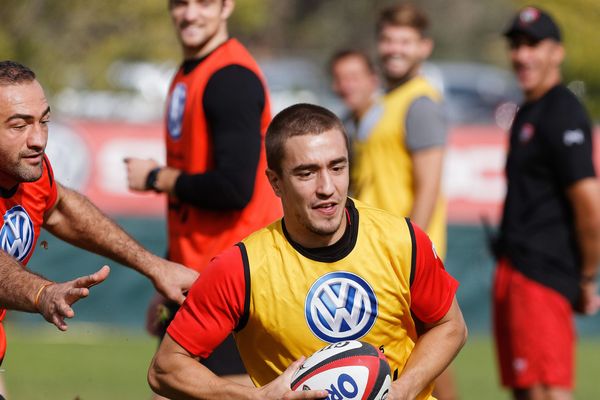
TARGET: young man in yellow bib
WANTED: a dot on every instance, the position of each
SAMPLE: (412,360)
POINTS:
(399,151)
(332,269)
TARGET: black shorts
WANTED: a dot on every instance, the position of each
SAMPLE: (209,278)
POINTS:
(224,360)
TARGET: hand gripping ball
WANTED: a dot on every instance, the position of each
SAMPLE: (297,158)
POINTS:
(350,370)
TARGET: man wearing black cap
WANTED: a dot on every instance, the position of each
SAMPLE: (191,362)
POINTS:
(549,244)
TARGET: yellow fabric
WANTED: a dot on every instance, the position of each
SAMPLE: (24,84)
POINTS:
(281,280)
(382,171)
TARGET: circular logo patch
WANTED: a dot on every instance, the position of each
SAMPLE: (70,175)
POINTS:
(340,306)
(16,235)
(175,110)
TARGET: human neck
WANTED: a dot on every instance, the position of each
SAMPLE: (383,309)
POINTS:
(312,240)
(218,39)
(6,182)
(540,90)
(393,83)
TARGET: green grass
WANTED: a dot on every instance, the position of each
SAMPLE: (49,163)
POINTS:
(86,363)
(91,362)
(477,375)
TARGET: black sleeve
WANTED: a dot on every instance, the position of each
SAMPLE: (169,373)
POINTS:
(569,137)
(233,103)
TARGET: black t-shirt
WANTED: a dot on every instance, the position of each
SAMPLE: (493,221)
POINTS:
(550,149)
(233,102)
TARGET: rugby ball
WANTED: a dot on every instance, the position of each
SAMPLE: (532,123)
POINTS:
(347,370)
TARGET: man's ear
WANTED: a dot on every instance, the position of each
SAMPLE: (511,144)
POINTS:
(558,54)
(228,7)
(273,178)
(426,48)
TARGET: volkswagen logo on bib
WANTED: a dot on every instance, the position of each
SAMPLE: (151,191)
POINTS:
(16,235)
(340,306)
(176,108)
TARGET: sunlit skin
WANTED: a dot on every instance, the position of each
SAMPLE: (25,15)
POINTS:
(313,186)
(401,51)
(354,83)
(24,118)
(536,64)
(201,25)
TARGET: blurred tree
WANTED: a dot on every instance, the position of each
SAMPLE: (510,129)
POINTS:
(73,42)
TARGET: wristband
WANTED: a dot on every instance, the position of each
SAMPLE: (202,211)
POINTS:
(39,293)
(151,180)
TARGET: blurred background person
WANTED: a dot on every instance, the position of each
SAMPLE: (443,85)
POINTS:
(399,160)
(356,83)
(217,114)
(399,164)
(549,245)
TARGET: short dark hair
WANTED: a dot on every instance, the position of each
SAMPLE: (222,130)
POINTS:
(13,73)
(298,120)
(344,53)
(405,14)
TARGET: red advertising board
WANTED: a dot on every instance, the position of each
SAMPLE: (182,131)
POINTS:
(88,156)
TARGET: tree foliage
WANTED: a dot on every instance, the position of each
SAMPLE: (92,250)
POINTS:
(73,42)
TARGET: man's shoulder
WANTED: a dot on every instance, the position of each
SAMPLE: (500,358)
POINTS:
(233,53)
(269,233)
(562,100)
(417,87)
(559,109)
(380,219)
(234,71)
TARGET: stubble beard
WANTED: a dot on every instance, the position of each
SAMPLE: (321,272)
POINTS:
(27,173)
(325,231)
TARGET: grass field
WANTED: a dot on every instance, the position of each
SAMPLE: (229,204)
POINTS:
(93,363)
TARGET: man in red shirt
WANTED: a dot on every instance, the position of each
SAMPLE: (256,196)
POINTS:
(30,199)
(285,290)
(549,242)
(218,110)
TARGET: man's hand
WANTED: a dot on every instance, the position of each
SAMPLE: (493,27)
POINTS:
(55,301)
(590,300)
(174,280)
(279,388)
(137,172)
(157,314)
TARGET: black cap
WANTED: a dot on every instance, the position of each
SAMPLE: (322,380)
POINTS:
(535,24)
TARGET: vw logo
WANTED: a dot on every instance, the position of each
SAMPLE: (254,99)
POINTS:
(16,235)
(175,111)
(340,306)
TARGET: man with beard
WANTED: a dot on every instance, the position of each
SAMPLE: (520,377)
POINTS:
(398,160)
(31,199)
(269,289)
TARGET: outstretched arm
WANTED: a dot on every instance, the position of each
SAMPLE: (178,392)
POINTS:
(54,300)
(77,221)
(433,352)
(175,373)
(25,291)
